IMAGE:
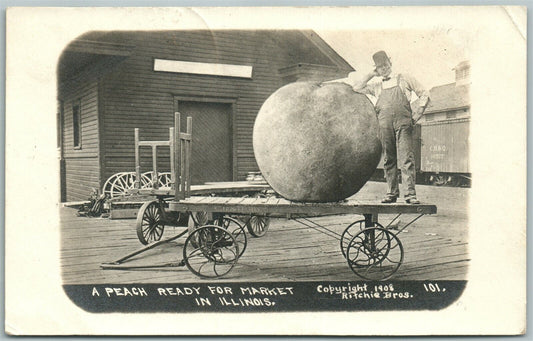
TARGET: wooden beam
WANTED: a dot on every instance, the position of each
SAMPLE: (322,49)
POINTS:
(262,206)
(154,143)
(99,47)
(137,160)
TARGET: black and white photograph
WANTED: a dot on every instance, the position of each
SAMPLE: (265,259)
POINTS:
(341,162)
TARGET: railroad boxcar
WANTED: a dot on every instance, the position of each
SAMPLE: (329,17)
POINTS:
(445,152)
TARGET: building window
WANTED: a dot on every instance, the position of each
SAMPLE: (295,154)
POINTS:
(462,73)
(76,121)
(451,114)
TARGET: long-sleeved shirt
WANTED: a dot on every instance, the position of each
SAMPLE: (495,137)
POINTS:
(407,83)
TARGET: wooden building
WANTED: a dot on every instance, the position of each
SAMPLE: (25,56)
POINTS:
(451,101)
(112,82)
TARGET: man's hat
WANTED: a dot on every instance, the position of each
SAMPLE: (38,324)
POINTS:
(380,58)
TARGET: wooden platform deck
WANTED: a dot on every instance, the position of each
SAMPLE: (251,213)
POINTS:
(207,188)
(436,247)
(281,207)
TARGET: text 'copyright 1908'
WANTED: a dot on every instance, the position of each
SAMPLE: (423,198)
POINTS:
(362,291)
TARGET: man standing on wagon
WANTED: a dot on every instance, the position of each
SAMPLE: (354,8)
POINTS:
(396,120)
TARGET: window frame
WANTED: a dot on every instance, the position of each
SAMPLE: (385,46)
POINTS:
(60,116)
(76,124)
(450,115)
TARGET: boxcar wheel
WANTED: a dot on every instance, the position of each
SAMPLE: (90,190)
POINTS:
(374,254)
(150,223)
(210,251)
(453,181)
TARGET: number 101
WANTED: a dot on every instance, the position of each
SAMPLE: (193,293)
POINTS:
(433,287)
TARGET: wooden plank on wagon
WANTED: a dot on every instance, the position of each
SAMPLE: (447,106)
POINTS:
(261,200)
(222,200)
(200,199)
(194,199)
(259,206)
(210,200)
(240,200)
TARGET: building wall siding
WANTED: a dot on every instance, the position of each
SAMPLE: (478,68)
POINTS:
(135,96)
(81,177)
(81,164)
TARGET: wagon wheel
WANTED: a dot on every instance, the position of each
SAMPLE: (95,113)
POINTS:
(150,222)
(374,254)
(350,231)
(210,251)
(124,182)
(146,180)
(107,188)
(165,180)
(258,225)
(234,227)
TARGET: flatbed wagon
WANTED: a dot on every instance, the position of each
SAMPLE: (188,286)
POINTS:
(213,246)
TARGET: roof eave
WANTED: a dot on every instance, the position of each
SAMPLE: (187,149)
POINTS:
(446,109)
(327,50)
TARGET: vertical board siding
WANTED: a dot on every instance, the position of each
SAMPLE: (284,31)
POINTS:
(81,164)
(445,147)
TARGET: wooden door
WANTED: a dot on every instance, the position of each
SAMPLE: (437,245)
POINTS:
(212,152)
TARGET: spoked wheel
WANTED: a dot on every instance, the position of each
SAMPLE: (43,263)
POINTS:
(210,251)
(374,254)
(119,183)
(350,232)
(146,180)
(150,223)
(123,183)
(164,180)
(258,225)
(107,188)
(234,227)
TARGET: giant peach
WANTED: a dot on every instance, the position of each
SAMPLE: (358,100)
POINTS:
(316,142)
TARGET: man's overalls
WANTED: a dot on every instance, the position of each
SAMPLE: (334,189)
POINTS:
(396,131)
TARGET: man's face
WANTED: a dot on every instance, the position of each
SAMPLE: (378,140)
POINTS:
(384,70)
